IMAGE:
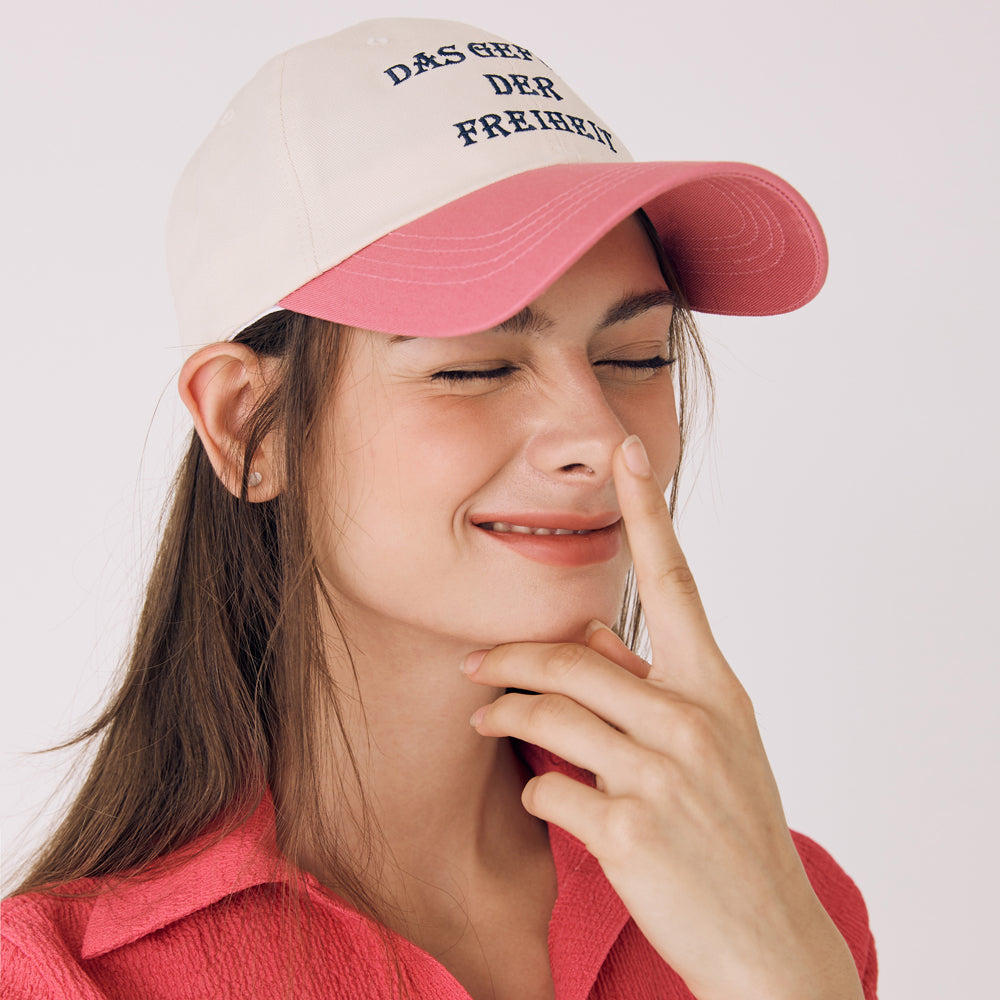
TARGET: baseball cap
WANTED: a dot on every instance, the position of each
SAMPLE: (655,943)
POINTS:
(428,178)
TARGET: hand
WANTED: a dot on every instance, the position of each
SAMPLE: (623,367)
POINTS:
(685,818)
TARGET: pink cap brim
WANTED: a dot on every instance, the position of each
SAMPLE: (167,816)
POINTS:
(742,240)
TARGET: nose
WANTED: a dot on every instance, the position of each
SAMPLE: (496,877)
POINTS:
(574,429)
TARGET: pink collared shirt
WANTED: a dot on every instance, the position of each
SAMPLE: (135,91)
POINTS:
(219,924)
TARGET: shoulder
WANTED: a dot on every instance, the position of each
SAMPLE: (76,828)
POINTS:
(156,937)
(42,937)
(842,899)
(99,937)
(219,918)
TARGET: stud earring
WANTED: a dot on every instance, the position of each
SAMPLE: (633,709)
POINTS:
(254,479)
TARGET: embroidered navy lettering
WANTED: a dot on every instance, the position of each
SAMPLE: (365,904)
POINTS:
(492,127)
(579,126)
(517,120)
(466,130)
(451,55)
(500,84)
(504,85)
(500,50)
(502,126)
(397,79)
(545,85)
(607,137)
(523,87)
(423,62)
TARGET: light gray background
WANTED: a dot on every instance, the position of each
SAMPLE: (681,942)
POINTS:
(843,526)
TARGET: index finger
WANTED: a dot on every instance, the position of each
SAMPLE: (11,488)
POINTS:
(671,604)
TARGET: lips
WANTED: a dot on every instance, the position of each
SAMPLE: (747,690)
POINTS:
(558,539)
(549,522)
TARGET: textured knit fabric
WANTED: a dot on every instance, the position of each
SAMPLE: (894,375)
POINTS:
(218,922)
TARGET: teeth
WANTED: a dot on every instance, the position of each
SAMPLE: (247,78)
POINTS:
(519,529)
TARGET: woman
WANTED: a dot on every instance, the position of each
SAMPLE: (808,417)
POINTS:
(377,737)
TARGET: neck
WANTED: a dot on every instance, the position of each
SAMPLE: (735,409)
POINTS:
(444,800)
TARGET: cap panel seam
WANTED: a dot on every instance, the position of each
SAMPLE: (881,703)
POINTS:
(305,221)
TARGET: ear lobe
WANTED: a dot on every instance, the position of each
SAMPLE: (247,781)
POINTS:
(221,385)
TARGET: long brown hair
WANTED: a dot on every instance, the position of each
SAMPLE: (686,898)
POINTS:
(226,688)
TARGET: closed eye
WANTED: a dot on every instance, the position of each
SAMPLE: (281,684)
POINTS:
(624,364)
(639,365)
(468,374)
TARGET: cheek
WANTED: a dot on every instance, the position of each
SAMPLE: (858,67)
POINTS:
(414,462)
(654,418)
(450,446)
(666,452)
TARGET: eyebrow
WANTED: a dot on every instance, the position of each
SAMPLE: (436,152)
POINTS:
(630,306)
(529,322)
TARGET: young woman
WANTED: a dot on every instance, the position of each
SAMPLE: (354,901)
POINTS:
(378,736)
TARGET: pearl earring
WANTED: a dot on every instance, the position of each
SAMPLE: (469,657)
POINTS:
(254,479)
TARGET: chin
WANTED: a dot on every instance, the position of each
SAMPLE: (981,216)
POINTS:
(564,619)
(553,629)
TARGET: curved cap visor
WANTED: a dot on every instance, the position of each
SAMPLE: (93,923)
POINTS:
(742,240)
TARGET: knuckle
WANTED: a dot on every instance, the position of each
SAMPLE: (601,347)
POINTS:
(564,658)
(677,579)
(627,824)
(654,777)
(693,733)
(662,712)
(547,710)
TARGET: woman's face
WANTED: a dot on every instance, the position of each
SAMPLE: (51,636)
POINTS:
(432,448)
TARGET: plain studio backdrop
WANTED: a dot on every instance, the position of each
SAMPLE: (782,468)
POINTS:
(843,522)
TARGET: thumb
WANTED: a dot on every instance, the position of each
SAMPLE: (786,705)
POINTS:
(602,640)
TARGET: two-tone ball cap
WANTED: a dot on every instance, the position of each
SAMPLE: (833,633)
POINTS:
(428,178)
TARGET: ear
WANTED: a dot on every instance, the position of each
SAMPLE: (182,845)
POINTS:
(221,385)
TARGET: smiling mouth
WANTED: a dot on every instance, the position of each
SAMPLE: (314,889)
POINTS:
(597,540)
(504,527)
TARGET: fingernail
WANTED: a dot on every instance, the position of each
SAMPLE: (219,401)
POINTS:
(471,663)
(635,456)
(477,716)
(595,626)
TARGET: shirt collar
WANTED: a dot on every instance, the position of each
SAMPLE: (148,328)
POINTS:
(187,881)
(213,868)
